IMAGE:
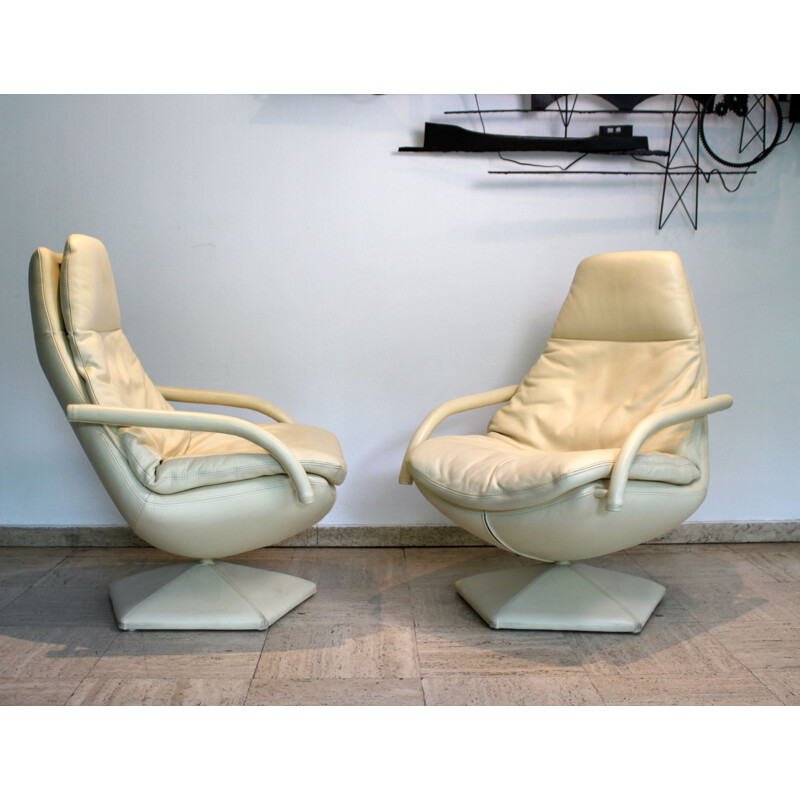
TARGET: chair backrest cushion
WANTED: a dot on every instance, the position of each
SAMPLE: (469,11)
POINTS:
(626,343)
(104,358)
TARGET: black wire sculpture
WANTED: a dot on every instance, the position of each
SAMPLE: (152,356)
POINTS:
(695,120)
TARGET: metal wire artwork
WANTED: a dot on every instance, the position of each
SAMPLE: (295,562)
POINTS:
(695,120)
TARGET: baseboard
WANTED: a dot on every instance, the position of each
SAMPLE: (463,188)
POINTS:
(393,535)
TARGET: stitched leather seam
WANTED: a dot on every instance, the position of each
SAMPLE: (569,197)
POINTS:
(154,496)
(50,320)
(164,586)
(68,252)
(134,487)
(63,361)
(146,471)
(546,484)
(610,597)
(498,539)
(83,387)
(66,313)
(243,596)
(515,512)
(624,341)
(240,468)
(498,465)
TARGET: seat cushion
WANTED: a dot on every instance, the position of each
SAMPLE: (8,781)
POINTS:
(494,472)
(221,458)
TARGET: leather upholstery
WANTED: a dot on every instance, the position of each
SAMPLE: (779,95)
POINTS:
(498,473)
(164,460)
(626,343)
(629,297)
(219,457)
(218,502)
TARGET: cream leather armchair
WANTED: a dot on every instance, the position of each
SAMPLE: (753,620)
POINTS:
(601,447)
(203,486)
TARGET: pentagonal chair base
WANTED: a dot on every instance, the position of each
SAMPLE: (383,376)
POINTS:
(206,595)
(562,597)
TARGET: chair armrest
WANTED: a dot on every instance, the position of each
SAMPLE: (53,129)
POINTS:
(198,421)
(646,428)
(233,399)
(440,413)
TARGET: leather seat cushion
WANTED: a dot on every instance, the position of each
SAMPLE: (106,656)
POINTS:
(493,472)
(212,458)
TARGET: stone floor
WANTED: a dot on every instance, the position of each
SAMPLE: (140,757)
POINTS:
(387,628)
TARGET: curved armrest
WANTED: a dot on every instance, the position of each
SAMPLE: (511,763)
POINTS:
(198,421)
(233,399)
(646,428)
(455,406)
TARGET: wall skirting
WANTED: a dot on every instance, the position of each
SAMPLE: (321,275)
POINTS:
(393,535)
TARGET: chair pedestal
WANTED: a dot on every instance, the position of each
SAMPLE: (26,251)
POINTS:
(206,595)
(562,597)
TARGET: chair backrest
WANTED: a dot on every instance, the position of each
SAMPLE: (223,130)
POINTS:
(626,343)
(103,356)
(74,313)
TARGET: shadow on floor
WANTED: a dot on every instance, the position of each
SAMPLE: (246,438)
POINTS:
(371,603)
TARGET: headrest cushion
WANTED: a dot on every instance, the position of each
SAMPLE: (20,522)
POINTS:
(88,294)
(629,297)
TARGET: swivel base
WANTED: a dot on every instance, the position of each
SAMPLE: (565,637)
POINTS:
(562,597)
(206,595)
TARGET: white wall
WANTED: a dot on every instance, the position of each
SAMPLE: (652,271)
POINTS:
(280,246)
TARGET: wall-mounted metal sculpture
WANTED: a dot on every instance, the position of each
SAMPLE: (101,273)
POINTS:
(737,131)
(611,140)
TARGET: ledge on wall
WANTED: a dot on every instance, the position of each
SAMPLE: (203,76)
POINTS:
(394,535)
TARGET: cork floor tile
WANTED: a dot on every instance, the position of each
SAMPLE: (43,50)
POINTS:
(75,592)
(730,601)
(27,565)
(333,692)
(387,624)
(93,572)
(693,563)
(448,564)
(438,605)
(52,653)
(732,689)
(343,567)
(431,582)
(334,607)
(10,593)
(324,651)
(483,651)
(24,567)
(79,605)
(36,692)
(669,644)
(779,560)
(783,683)
(159,692)
(511,690)
(355,585)
(182,654)
(762,645)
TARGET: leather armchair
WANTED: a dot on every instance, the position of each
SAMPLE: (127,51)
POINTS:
(601,447)
(198,485)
